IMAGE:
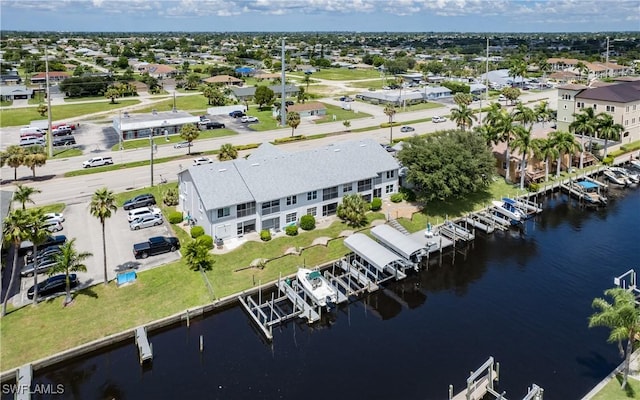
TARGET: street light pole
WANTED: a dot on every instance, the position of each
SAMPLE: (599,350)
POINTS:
(151,144)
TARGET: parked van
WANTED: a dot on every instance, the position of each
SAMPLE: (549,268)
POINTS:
(32,141)
(31,130)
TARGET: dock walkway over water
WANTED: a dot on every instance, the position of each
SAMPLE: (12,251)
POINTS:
(144,347)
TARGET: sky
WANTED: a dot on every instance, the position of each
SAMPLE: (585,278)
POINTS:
(320,15)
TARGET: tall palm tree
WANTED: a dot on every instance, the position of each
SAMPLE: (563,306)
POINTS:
(14,231)
(622,316)
(493,113)
(607,129)
(227,152)
(545,150)
(306,80)
(197,255)
(505,131)
(390,111)
(35,156)
(23,194)
(543,113)
(582,69)
(565,143)
(463,117)
(524,115)
(293,120)
(522,143)
(103,204)
(37,234)
(68,260)
(489,133)
(584,123)
(189,132)
(13,157)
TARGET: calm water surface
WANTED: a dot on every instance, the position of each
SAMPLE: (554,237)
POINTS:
(522,298)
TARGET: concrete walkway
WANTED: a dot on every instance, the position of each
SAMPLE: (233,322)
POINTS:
(634,373)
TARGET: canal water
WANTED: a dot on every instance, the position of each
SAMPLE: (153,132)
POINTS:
(522,297)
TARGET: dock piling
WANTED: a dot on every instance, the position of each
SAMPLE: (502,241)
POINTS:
(201,343)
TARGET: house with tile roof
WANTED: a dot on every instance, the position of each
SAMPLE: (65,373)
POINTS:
(272,189)
(54,76)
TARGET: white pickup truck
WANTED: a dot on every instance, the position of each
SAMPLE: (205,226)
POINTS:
(97,162)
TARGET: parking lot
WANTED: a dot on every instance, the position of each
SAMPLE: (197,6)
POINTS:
(86,229)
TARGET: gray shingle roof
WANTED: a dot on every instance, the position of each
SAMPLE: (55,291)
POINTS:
(265,150)
(624,92)
(265,177)
(373,252)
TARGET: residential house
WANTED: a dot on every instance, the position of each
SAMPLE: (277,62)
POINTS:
(247,93)
(309,109)
(54,76)
(15,92)
(396,98)
(272,189)
(227,80)
(12,78)
(158,71)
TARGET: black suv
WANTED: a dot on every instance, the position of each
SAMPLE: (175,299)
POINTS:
(143,200)
(236,114)
(63,141)
(214,125)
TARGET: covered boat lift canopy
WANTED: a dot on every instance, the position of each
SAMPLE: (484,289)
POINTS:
(405,246)
(376,255)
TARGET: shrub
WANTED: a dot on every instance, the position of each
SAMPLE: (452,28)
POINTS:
(386,124)
(205,239)
(376,204)
(289,139)
(171,197)
(197,231)
(307,222)
(291,230)
(397,197)
(175,217)
(608,160)
(533,187)
(265,235)
(408,194)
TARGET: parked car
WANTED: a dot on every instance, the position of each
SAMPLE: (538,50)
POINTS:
(26,247)
(407,129)
(155,245)
(248,119)
(44,265)
(214,125)
(53,226)
(146,222)
(203,121)
(97,162)
(346,99)
(141,200)
(180,145)
(202,160)
(54,217)
(288,103)
(46,252)
(52,285)
(236,114)
(502,98)
(63,141)
(388,148)
(438,119)
(143,212)
(32,141)
(62,131)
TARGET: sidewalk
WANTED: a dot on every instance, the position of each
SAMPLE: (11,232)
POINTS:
(634,373)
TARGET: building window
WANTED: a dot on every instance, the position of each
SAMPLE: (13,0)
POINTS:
(242,210)
(273,223)
(611,108)
(312,195)
(329,209)
(634,107)
(627,108)
(364,185)
(595,106)
(388,189)
(564,119)
(391,174)
(580,104)
(626,122)
(633,120)
(346,188)
(312,211)
(377,192)
(270,207)
(223,212)
(293,217)
(291,200)
(330,193)
(565,106)
(367,198)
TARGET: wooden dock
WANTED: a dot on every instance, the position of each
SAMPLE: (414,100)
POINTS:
(479,383)
(144,347)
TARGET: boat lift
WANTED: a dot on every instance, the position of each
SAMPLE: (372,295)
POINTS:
(528,207)
(411,250)
(456,232)
(375,260)
(628,281)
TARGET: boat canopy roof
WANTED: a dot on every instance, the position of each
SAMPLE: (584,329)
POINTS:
(367,248)
(587,184)
(314,275)
(394,239)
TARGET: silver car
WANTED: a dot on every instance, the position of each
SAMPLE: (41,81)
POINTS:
(146,221)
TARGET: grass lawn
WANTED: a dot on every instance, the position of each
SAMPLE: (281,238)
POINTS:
(435,212)
(23,116)
(341,115)
(612,390)
(53,208)
(267,121)
(342,74)
(195,103)
(66,153)
(38,98)
(377,84)
(160,140)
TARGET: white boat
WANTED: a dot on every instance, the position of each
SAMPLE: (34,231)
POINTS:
(508,210)
(317,287)
(631,175)
(635,164)
(615,176)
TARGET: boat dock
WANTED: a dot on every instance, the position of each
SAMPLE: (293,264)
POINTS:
(456,232)
(628,281)
(144,347)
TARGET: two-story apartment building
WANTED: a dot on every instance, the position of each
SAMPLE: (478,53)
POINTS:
(621,100)
(272,189)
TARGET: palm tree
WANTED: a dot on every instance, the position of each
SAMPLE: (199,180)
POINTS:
(197,255)
(462,99)
(14,231)
(493,113)
(545,150)
(189,132)
(68,260)
(582,68)
(524,115)
(293,120)
(37,234)
(103,203)
(13,157)
(390,111)
(622,316)
(565,143)
(23,194)
(607,129)
(489,133)
(584,123)
(353,210)
(505,131)
(543,113)
(35,157)
(463,117)
(306,80)
(227,152)
(522,143)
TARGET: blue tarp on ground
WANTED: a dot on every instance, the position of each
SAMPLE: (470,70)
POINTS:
(587,184)
(126,277)
(244,70)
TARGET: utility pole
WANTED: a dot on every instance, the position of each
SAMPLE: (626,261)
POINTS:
(607,57)
(283,117)
(151,146)
(48,93)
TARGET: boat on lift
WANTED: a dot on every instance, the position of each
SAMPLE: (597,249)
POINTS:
(589,192)
(320,290)
(613,175)
(632,176)
(510,211)
(635,164)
